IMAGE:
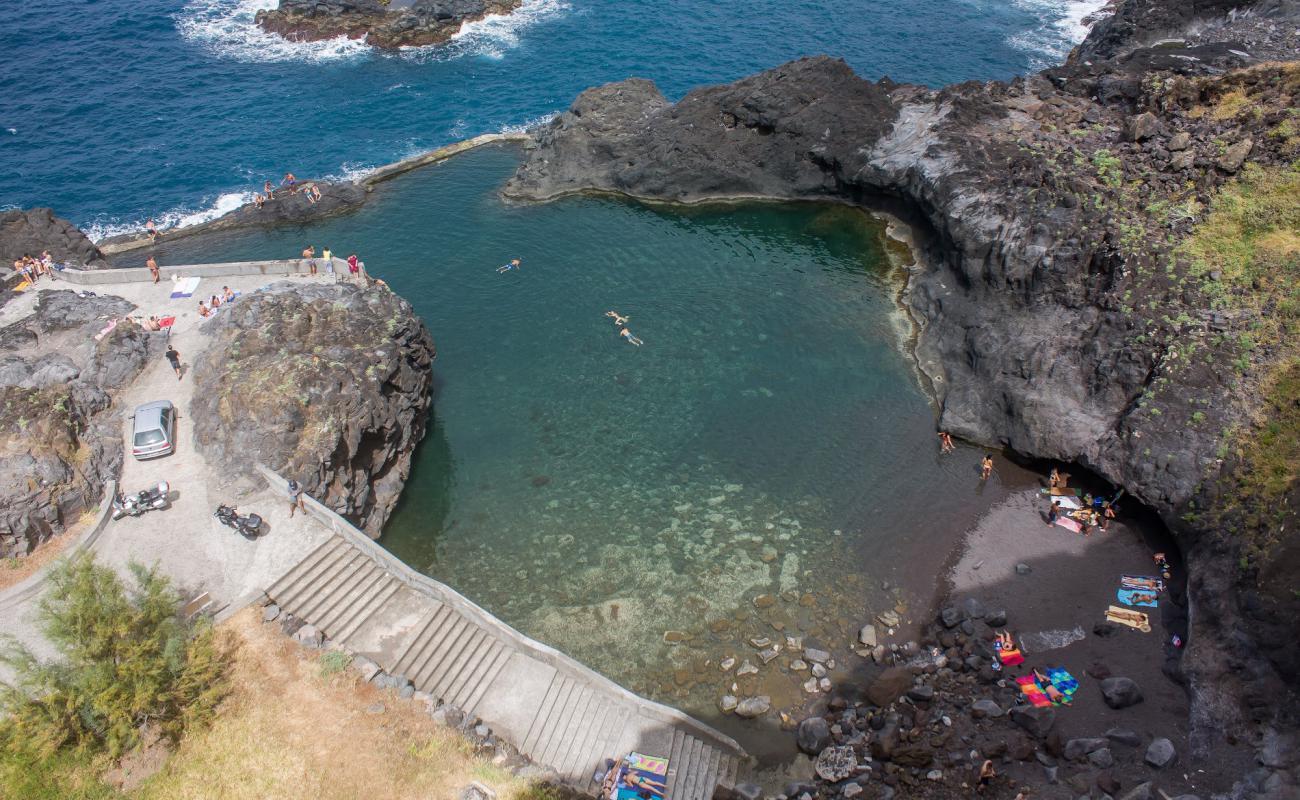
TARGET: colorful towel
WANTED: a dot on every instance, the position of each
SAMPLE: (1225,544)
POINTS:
(184,287)
(1146,582)
(1137,597)
(166,323)
(1066,501)
(1068,524)
(1032,691)
(1063,491)
(24,286)
(641,776)
(1063,681)
(1010,658)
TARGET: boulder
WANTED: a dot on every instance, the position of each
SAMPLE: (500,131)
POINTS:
(1143,791)
(815,655)
(1179,141)
(985,707)
(1120,692)
(309,636)
(358,363)
(921,694)
(813,736)
(836,763)
(1077,749)
(1235,156)
(867,635)
(951,616)
(32,231)
(269,612)
(1140,126)
(1102,759)
(752,707)
(728,702)
(1036,721)
(477,791)
(889,685)
(1160,753)
(1124,736)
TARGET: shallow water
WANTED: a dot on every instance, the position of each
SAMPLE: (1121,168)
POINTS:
(769,438)
(117,110)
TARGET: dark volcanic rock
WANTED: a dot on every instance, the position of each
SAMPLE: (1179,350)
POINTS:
(1037,721)
(813,736)
(329,385)
(59,446)
(29,232)
(405,23)
(1120,692)
(889,685)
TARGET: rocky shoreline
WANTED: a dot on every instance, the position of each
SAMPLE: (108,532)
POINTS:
(386,24)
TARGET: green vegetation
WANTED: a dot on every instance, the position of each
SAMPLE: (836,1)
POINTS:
(334,662)
(128,665)
(1109,168)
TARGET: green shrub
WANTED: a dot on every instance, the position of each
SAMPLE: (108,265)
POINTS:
(333,662)
(127,660)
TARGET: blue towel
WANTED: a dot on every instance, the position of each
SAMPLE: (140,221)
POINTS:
(1128,597)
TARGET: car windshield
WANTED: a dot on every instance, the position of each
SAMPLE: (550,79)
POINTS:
(146,438)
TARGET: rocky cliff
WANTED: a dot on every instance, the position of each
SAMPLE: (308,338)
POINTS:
(330,385)
(30,232)
(383,23)
(59,441)
(1109,277)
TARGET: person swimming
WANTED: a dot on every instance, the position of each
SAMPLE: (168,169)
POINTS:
(514,264)
(618,318)
(627,334)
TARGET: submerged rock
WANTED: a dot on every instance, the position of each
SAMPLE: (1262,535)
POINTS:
(752,707)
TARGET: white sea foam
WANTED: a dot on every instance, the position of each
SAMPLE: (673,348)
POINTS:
(176,218)
(1062,27)
(528,125)
(226,27)
(492,36)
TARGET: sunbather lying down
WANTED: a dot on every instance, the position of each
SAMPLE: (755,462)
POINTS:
(1045,683)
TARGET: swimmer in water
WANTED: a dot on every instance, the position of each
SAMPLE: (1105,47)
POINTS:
(514,264)
(618,318)
(627,334)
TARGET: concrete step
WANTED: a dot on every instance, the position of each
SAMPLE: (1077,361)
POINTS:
(607,745)
(332,584)
(556,694)
(417,650)
(337,610)
(578,763)
(293,582)
(696,765)
(730,772)
(475,696)
(710,782)
(558,724)
(366,605)
(676,753)
(576,715)
(461,649)
(477,646)
(426,672)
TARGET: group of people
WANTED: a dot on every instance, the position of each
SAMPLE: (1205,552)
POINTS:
(288,185)
(216,301)
(621,322)
(327,256)
(946,445)
(32,268)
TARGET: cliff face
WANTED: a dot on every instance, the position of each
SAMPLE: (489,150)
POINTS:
(59,444)
(330,385)
(1074,303)
(383,23)
(31,231)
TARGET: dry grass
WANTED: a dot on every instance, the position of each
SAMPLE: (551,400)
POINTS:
(289,730)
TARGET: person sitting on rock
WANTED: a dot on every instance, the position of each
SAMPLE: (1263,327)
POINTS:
(986,776)
(314,194)
(152,324)
(259,200)
(226,294)
(203,310)
(945,442)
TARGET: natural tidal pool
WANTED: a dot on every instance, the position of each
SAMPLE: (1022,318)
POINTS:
(765,465)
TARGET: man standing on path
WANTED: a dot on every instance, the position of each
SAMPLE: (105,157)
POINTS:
(295,498)
(174,358)
(153,268)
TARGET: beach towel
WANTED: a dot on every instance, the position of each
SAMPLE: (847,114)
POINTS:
(184,287)
(1063,681)
(1062,491)
(112,323)
(1147,582)
(1032,691)
(1010,658)
(641,776)
(1068,524)
(1127,617)
(166,323)
(1071,503)
(24,286)
(1137,597)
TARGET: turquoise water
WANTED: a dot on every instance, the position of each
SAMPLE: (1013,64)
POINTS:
(117,110)
(769,438)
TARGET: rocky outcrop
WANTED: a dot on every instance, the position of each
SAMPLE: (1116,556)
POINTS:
(282,209)
(59,441)
(330,385)
(32,231)
(383,23)
(1060,315)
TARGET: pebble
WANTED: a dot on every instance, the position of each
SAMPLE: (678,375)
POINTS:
(798,665)
(727,664)
(813,654)
(728,702)
(746,668)
(889,619)
(934,775)
(818,671)
(810,686)
(770,653)
(824,684)
(760,642)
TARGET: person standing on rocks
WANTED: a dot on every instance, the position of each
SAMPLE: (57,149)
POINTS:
(945,442)
(295,498)
(152,229)
(986,468)
(174,358)
(152,264)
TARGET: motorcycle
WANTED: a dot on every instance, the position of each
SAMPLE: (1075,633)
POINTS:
(133,505)
(248,525)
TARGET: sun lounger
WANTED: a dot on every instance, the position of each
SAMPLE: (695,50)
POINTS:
(1136,620)
(1032,691)
(1138,597)
(1068,524)
(1063,681)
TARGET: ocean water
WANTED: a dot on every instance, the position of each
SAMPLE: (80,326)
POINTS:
(116,110)
(768,439)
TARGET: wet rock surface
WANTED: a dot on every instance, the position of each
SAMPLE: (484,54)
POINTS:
(400,23)
(60,441)
(329,385)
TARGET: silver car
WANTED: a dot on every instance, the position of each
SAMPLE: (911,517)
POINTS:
(154,431)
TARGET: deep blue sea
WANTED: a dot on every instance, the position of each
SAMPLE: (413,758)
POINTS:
(115,110)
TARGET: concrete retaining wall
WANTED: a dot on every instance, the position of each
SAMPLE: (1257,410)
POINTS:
(31,586)
(100,277)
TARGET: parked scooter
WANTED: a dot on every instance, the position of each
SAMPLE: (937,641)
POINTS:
(133,505)
(248,525)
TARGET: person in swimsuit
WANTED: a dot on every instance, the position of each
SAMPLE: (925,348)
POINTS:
(618,318)
(986,776)
(290,180)
(314,195)
(986,468)
(514,264)
(1053,478)
(259,200)
(226,294)
(945,442)
(1053,512)
(151,228)
(1054,694)
(203,310)
(627,334)
(153,267)
(269,189)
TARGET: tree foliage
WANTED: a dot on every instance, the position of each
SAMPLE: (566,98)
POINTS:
(128,661)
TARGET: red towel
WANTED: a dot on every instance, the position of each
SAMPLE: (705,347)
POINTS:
(1032,691)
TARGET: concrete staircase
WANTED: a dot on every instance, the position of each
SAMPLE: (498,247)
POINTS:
(556,711)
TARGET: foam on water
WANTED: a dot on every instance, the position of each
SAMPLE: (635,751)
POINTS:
(1063,26)
(176,218)
(491,36)
(227,28)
